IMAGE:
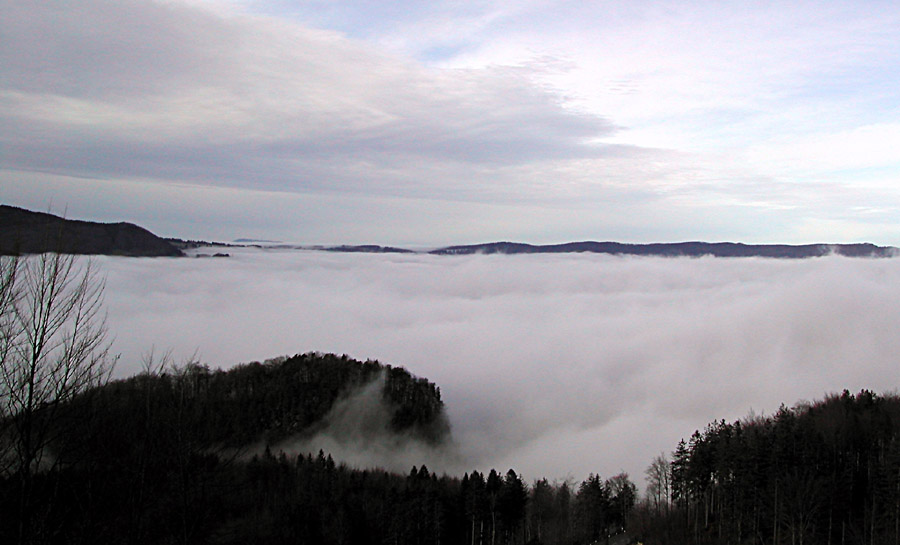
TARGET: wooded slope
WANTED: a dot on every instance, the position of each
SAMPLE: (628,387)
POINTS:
(27,232)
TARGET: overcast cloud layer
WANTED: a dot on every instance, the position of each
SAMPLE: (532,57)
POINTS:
(555,365)
(446,122)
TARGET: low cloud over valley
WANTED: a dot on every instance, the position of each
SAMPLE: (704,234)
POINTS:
(556,365)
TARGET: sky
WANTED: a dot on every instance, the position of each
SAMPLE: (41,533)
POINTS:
(555,365)
(446,122)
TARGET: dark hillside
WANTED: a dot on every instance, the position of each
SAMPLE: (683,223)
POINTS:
(826,472)
(167,457)
(269,402)
(27,232)
(182,456)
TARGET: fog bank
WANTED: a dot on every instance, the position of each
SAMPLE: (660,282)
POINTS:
(555,365)
(357,431)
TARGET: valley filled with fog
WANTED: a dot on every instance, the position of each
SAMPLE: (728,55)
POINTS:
(556,365)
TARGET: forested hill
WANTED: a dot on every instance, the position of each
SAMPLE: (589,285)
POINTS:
(269,402)
(678,249)
(27,232)
(826,472)
(191,455)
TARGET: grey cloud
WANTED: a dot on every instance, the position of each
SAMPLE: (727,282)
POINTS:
(553,365)
(100,49)
(186,93)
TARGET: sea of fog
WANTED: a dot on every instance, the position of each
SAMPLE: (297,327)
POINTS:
(555,365)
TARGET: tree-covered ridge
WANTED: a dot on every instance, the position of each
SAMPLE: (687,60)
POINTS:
(826,472)
(27,232)
(149,459)
(279,398)
(310,499)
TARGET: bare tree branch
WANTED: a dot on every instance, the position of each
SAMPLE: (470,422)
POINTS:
(53,347)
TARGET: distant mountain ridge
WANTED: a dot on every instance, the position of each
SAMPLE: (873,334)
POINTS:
(27,232)
(678,249)
(659,249)
(24,231)
(367,248)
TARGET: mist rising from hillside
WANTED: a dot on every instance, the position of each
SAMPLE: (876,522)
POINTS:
(357,431)
(555,365)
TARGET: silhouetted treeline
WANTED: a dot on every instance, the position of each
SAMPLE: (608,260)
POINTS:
(267,402)
(822,473)
(180,457)
(154,446)
(313,500)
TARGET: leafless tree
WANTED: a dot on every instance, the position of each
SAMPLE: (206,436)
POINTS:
(9,268)
(53,346)
(659,483)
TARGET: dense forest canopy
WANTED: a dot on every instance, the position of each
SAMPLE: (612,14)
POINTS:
(282,397)
(173,456)
(823,472)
